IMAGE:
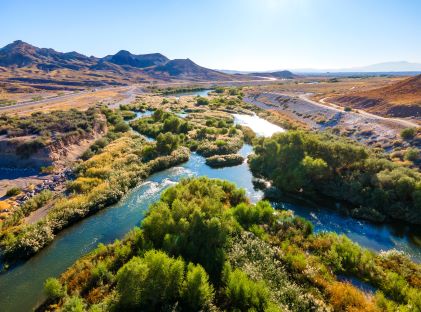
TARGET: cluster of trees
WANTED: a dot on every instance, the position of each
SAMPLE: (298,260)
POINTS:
(207,135)
(203,246)
(161,122)
(315,164)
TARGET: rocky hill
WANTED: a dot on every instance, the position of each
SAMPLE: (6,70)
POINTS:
(187,69)
(22,54)
(400,99)
(124,57)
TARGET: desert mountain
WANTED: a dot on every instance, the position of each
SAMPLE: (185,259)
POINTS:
(402,98)
(20,61)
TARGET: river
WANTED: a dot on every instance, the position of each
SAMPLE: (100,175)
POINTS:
(21,288)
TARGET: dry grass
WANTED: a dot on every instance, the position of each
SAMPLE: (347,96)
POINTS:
(79,101)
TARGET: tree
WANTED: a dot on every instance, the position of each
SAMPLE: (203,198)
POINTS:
(171,124)
(166,143)
(244,294)
(197,292)
(151,282)
(53,289)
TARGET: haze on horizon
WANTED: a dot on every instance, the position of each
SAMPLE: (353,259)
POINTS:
(235,34)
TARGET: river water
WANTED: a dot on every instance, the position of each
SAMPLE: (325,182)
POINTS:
(21,288)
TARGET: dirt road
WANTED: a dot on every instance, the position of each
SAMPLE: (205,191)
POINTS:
(363,127)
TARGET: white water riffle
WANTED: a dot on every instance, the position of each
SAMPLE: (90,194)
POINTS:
(259,125)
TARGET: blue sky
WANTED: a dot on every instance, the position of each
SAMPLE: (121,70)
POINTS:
(225,34)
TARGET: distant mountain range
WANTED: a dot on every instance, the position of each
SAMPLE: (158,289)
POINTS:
(386,67)
(119,68)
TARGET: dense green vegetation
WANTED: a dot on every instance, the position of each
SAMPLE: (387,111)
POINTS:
(314,164)
(203,246)
(207,134)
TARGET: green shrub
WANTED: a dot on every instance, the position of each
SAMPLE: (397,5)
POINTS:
(151,282)
(202,101)
(197,292)
(408,133)
(74,304)
(248,215)
(13,191)
(412,154)
(53,289)
(166,143)
(244,294)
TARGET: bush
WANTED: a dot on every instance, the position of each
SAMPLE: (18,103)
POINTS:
(408,133)
(219,161)
(151,282)
(412,154)
(244,294)
(53,289)
(121,127)
(248,215)
(13,191)
(202,101)
(197,292)
(345,297)
(166,143)
(47,170)
(74,304)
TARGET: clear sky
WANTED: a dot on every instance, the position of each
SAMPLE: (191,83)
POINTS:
(225,34)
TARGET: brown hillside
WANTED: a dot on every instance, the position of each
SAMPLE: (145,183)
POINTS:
(401,99)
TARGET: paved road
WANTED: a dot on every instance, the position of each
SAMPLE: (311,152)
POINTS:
(43,101)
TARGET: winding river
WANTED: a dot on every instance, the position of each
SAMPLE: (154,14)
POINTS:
(21,288)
